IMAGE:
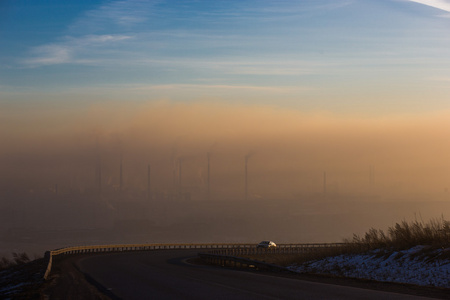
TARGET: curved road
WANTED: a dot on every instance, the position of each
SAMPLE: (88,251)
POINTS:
(164,274)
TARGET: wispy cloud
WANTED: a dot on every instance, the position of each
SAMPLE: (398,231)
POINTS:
(439,4)
(439,79)
(277,9)
(50,55)
(166,47)
(219,87)
(237,65)
(68,49)
(98,27)
(116,14)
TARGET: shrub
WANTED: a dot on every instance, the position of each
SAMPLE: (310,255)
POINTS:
(18,259)
(435,233)
(5,263)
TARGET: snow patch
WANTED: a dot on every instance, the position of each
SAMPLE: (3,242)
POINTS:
(407,266)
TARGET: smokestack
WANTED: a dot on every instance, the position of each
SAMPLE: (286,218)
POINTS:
(149,195)
(99,177)
(98,172)
(121,175)
(371,175)
(208,179)
(371,180)
(179,176)
(246,173)
(246,177)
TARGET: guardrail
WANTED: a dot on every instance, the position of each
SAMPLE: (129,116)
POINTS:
(131,247)
(240,262)
(215,249)
(235,257)
(280,249)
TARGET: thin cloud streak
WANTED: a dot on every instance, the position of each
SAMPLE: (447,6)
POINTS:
(439,79)
(439,4)
(280,12)
(50,55)
(123,14)
(271,89)
(237,65)
(69,49)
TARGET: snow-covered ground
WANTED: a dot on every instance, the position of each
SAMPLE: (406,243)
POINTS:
(22,281)
(415,266)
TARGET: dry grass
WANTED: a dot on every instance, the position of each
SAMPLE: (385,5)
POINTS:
(401,236)
(18,259)
(404,235)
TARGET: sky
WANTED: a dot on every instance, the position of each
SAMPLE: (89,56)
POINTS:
(347,97)
(346,57)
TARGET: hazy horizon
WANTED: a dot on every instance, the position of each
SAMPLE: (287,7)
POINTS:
(290,150)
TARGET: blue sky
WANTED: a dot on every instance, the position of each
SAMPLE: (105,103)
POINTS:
(340,56)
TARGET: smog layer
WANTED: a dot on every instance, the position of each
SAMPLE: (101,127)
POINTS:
(213,172)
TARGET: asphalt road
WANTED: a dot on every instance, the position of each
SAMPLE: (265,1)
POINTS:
(164,274)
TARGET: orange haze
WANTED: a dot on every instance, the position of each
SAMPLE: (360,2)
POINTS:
(311,177)
(391,156)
